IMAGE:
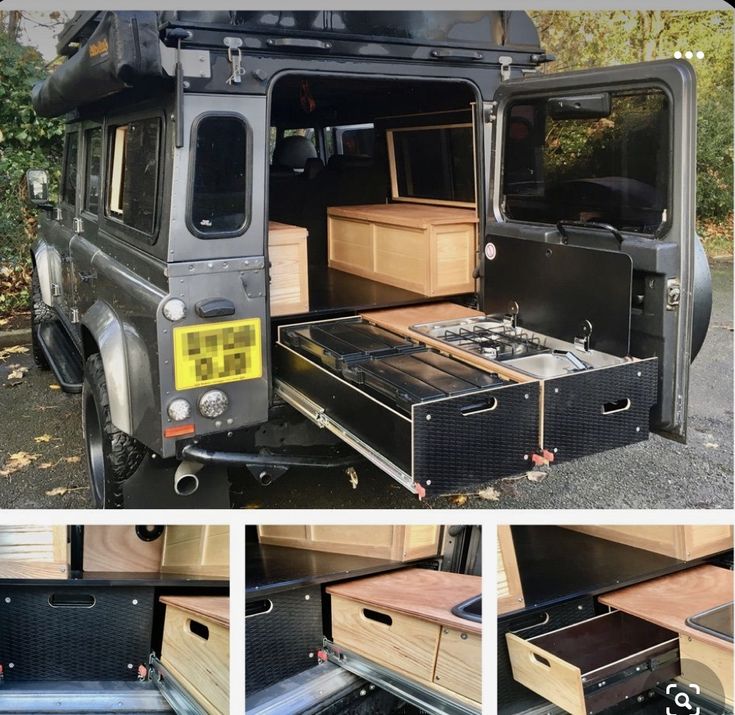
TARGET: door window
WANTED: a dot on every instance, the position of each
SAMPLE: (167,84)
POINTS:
(93,163)
(69,186)
(133,177)
(610,168)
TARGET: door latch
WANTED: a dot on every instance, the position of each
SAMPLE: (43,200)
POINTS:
(673,293)
(582,340)
(505,63)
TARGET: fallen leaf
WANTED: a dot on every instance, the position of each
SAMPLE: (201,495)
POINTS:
(17,374)
(711,445)
(352,474)
(54,386)
(489,494)
(47,465)
(4,321)
(43,438)
(458,499)
(72,460)
(5,353)
(60,491)
(16,462)
(536,476)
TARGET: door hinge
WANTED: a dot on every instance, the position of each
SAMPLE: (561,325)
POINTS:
(77,225)
(673,293)
(75,315)
(505,63)
(55,290)
(491,112)
(58,214)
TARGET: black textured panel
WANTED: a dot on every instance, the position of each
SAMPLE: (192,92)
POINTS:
(278,643)
(66,642)
(574,423)
(457,451)
(512,696)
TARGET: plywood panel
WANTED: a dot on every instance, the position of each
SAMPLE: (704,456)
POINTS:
(459,663)
(198,550)
(215,608)
(289,269)
(669,600)
(709,667)
(453,259)
(200,664)
(118,548)
(401,258)
(509,588)
(408,215)
(33,552)
(351,246)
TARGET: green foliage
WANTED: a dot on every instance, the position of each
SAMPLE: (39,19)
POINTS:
(595,39)
(26,141)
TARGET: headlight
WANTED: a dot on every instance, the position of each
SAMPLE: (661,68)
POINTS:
(174,309)
(213,403)
(179,409)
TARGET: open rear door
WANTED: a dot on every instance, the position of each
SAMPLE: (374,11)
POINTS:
(605,159)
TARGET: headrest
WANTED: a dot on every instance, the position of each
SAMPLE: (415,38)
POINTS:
(293,152)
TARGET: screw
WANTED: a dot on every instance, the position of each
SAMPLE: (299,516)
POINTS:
(556,390)
(525,397)
(556,450)
(428,418)
(130,666)
(463,636)
(363,692)
(311,655)
(307,597)
(639,373)
(7,599)
(11,665)
(135,601)
(637,429)
(525,456)
(446,632)
(580,607)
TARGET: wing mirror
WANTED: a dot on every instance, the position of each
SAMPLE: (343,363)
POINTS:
(37,186)
(588,106)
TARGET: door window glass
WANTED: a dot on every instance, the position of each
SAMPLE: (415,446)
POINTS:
(93,163)
(69,187)
(610,169)
(219,198)
(134,166)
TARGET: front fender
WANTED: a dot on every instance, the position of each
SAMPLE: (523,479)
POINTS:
(123,354)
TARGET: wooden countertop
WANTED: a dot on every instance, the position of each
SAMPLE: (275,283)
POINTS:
(216,608)
(669,600)
(406,214)
(399,320)
(428,595)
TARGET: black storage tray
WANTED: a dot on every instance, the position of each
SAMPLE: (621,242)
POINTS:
(74,632)
(445,424)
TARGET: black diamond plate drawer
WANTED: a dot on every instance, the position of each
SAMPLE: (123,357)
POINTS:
(594,411)
(74,632)
(281,631)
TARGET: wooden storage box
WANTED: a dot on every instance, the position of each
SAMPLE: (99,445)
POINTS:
(196,648)
(33,552)
(426,249)
(680,542)
(197,550)
(289,269)
(403,621)
(591,665)
(400,543)
(509,588)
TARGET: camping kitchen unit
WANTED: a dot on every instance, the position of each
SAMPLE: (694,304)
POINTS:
(280,233)
(124,619)
(363,619)
(615,619)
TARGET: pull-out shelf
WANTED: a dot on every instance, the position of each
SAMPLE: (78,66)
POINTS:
(429,420)
(594,664)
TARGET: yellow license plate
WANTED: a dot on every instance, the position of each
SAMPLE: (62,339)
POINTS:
(214,353)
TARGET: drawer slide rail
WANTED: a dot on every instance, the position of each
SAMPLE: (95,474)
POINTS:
(428,700)
(652,665)
(176,695)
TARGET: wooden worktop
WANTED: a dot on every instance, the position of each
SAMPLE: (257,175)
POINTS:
(216,608)
(399,320)
(669,600)
(419,216)
(428,595)
(278,231)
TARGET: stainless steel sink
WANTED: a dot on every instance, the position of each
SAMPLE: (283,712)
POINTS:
(471,609)
(545,365)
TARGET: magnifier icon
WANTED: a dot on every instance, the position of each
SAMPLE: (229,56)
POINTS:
(682,700)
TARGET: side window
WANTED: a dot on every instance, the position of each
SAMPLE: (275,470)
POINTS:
(69,187)
(133,174)
(92,163)
(612,167)
(220,192)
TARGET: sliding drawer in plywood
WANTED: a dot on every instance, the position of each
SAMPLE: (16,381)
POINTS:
(423,248)
(197,550)
(289,269)
(196,648)
(396,542)
(459,663)
(597,663)
(33,552)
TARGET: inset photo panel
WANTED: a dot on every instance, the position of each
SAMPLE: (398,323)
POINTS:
(373,619)
(615,619)
(127,619)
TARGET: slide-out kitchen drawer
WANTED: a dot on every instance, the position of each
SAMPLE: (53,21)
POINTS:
(594,664)
(431,421)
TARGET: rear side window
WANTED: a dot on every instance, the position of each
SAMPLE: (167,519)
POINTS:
(133,175)
(93,162)
(612,168)
(69,188)
(218,206)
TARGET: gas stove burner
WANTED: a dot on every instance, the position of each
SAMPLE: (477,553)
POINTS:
(487,337)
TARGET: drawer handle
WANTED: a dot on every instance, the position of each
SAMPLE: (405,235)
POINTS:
(611,408)
(540,660)
(71,600)
(477,408)
(544,619)
(258,608)
(383,618)
(198,629)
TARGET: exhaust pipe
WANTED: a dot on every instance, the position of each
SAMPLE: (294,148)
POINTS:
(186,481)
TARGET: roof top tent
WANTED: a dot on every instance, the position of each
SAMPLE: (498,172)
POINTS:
(390,173)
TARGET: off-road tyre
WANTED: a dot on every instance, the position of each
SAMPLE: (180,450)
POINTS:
(112,455)
(40,313)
